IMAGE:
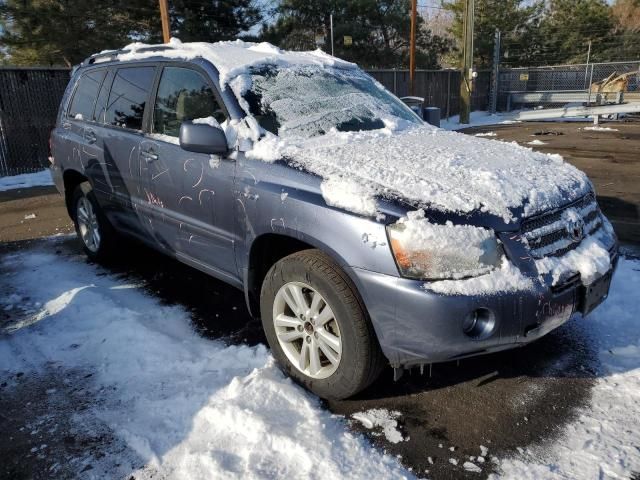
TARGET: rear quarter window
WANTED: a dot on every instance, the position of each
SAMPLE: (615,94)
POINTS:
(84,98)
(128,97)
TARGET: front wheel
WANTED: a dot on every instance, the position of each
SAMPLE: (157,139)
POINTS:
(317,327)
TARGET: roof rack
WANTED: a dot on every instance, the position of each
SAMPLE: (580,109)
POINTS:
(113,54)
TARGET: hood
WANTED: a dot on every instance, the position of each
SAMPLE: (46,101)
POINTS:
(430,168)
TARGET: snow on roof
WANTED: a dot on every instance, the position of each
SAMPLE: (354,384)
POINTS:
(232,58)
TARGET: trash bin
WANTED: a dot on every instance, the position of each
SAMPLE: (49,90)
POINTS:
(414,103)
(431,115)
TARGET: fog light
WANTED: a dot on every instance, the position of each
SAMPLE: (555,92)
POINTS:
(479,323)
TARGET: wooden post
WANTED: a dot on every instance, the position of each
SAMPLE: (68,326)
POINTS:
(466,81)
(412,46)
(495,73)
(164,16)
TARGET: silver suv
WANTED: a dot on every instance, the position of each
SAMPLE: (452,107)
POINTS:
(359,234)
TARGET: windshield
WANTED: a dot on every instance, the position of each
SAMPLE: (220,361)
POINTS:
(307,101)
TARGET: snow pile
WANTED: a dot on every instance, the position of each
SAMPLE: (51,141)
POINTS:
(447,251)
(185,406)
(471,467)
(597,128)
(436,168)
(536,142)
(345,193)
(486,134)
(383,419)
(26,180)
(603,441)
(211,121)
(590,258)
(506,278)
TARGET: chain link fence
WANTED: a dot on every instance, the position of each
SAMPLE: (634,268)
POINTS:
(562,79)
(29,100)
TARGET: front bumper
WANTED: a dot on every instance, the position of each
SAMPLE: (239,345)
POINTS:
(416,326)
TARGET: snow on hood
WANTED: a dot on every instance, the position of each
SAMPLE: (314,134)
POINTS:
(433,168)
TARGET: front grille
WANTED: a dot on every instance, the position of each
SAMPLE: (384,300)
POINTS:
(553,233)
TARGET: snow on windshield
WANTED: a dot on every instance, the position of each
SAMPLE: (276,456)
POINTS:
(309,100)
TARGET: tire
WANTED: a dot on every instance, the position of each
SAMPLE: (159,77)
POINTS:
(343,371)
(89,219)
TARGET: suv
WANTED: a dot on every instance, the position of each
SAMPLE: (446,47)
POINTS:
(359,234)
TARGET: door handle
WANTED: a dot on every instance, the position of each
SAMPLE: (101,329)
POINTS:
(90,136)
(149,155)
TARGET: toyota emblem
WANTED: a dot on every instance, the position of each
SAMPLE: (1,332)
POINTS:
(575,227)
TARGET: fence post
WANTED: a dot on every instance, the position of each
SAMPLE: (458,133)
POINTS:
(590,82)
(448,93)
(586,68)
(493,92)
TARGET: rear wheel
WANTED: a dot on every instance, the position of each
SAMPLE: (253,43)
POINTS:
(92,227)
(317,327)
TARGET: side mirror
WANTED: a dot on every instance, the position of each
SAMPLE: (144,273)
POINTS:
(202,138)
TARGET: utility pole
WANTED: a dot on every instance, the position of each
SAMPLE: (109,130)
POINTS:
(412,45)
(164,16)
(466,80)
(493,95)
(331,23)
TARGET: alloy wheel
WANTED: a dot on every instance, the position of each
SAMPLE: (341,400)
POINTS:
(307,330)
(88,224)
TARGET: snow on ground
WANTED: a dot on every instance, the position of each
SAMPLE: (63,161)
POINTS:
(26,180)
(486,134)
(379,418)
(604,441)
(597,128)
(536,142)
(186,406)
(478,119)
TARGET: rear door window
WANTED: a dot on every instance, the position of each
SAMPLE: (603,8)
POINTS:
(128,97)
(103,98)
(183,94)
(84,98)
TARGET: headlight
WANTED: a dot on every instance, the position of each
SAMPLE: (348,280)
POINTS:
(428,251)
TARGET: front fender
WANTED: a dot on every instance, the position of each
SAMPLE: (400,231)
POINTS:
(274,198)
